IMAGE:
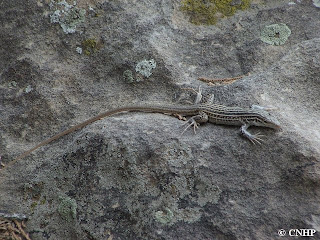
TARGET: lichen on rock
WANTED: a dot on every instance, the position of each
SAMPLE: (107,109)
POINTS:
(127,75)
(145,67)
(207,12)
(67,208)
(316,3)
(89,46)
(164,217)
(68,16)
(275,34)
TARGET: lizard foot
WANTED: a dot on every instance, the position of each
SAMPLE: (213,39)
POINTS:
(253,138)
(193,123)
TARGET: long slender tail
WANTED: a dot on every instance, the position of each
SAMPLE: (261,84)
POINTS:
(138,108)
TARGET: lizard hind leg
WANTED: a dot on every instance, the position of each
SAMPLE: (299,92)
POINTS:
(195,121)
(201,97)
(198,94)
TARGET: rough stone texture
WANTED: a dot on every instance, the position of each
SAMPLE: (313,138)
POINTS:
(132,176)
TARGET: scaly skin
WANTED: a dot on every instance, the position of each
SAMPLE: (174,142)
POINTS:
(213,113)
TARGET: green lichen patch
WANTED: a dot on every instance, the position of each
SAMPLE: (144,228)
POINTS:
(275,34)
(89,46)
(28,89)
(207,12)
(33,190)
(128,76)
(164,217)
(79,50)
(67,208)
(67,15)
(145,67)
(316,3)
(43,200)
(12,84)
(33,206)
(206,192)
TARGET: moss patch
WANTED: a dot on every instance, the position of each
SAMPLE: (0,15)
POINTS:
(90,46)
(208,11)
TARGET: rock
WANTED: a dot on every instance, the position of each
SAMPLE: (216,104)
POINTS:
(133,175)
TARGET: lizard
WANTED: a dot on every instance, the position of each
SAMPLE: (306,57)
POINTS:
(199,112)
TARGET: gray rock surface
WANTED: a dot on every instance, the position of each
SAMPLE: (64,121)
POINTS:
(133,176)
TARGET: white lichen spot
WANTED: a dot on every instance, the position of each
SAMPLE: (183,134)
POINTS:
(28,89)
(79,50)
(316,3)
(55,16)
(145,67)
(12,84)
(164,217)
(275,34)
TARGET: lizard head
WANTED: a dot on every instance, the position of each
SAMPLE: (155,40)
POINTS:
(267,120)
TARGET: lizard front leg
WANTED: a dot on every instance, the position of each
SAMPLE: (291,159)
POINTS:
(254,138)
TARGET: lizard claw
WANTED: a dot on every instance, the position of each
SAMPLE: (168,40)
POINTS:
(254,138)
(193,123)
